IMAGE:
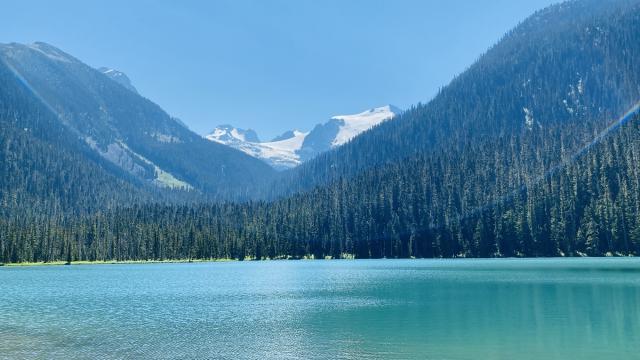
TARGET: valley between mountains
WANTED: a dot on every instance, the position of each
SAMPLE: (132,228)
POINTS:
(533,150)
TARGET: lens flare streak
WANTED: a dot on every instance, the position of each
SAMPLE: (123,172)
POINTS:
(626,117)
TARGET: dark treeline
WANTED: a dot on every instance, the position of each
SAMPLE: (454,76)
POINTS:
(487,168)
(473,203)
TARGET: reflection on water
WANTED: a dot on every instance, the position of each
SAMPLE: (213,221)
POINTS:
(377,309)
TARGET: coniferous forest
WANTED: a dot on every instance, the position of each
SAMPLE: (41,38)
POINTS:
(424,208)
(525,154)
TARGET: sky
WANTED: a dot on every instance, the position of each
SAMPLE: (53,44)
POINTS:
(271,65)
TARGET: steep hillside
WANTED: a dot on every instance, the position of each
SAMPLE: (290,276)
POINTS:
(126,129)
(119,77)
(46,170)
(573,64)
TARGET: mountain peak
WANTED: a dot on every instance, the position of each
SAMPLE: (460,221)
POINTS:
(51,52)
(294,146)
(228,134)
(355,124)
(287,135)
(119,77)
(382,112)
(112,125)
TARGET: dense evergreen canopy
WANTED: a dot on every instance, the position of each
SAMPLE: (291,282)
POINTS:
(516,157)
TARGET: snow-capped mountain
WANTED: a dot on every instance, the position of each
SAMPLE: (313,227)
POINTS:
(281,153)
(342,128)
(294,147)
(119,77)
(227,134)
(353,125)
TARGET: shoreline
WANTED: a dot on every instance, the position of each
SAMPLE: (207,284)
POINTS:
(187,261)
(113,262)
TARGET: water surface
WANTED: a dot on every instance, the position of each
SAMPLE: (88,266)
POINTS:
(364,309)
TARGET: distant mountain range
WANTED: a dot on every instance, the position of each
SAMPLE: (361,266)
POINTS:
(294,147)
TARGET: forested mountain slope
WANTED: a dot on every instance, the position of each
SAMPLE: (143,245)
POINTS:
(126,129)
(46,170)
(525,154)
(574,64)
(423,208)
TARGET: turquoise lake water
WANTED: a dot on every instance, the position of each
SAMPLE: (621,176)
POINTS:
(363,309)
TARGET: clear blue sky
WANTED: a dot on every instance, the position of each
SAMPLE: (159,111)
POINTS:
(271,65)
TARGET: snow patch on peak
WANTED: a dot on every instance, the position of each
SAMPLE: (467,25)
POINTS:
(283,154)
(358,123)
(291,145)
(227,134)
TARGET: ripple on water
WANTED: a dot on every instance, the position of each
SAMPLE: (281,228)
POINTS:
(369,309)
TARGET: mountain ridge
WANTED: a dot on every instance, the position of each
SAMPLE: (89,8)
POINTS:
(582,88)
(127,129)
(119,77)
(295,147)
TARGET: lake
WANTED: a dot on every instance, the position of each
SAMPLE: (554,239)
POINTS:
(335,309)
